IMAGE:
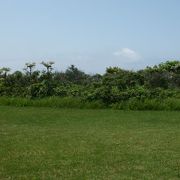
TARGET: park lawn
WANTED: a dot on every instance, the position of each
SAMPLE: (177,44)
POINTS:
(50,143)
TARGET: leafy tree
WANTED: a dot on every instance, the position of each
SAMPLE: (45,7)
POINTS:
(4,71)
(29,67)
(74,75)
(48,66)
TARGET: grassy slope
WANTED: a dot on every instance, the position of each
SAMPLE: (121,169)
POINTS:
(47,143)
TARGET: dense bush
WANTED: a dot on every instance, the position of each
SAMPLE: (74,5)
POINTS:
(155,87)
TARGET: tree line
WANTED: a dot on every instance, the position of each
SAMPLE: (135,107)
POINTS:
(114,86)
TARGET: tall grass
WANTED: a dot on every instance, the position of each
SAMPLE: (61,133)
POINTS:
(66,102)
(69,102)
(149,104)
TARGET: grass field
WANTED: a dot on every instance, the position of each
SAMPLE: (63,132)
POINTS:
(49,143)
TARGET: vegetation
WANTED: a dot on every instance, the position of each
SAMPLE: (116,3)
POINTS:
(48,143)
(155,87)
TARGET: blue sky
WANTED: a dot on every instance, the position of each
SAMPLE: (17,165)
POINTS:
(92,34)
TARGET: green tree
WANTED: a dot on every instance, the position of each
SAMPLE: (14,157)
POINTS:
(29,67)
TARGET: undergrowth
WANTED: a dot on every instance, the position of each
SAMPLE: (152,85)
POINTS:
(69,102)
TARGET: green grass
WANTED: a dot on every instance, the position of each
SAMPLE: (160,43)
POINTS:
(50,143)
(56,102)
(168,104)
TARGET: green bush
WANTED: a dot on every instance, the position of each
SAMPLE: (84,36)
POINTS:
(155,88)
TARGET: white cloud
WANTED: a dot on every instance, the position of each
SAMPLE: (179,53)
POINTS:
(127,54)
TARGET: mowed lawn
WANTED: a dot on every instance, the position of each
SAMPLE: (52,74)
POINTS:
(49,143)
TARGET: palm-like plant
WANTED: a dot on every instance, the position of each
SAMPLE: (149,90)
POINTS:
(48,66)
(29,67)
(4,71)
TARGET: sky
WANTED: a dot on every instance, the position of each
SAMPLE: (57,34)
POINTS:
(91,34)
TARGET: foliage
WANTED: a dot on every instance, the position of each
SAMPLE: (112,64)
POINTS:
(116,86)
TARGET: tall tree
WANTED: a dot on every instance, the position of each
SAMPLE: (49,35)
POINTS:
(4,71)
(30,67)
(48,66)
